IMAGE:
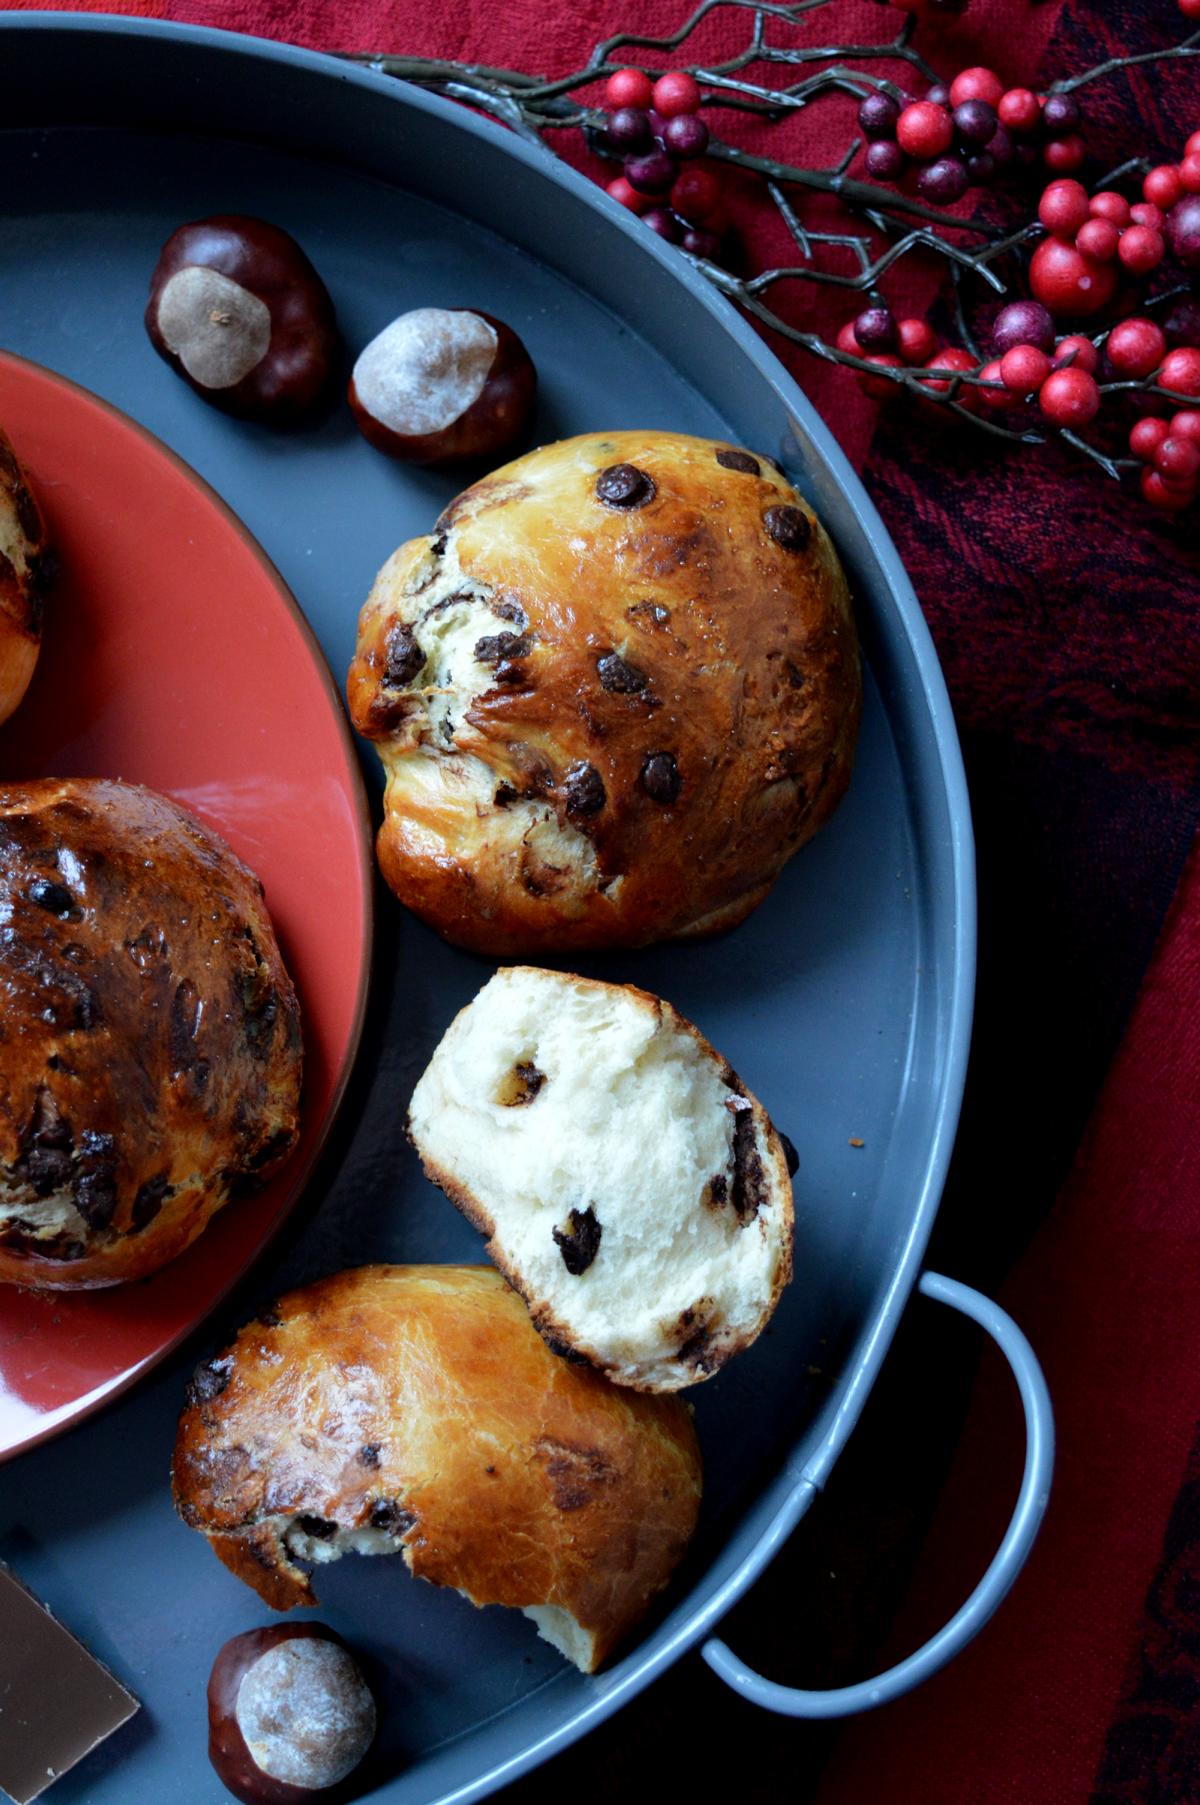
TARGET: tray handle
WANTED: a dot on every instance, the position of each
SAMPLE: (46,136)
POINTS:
(1010,1557)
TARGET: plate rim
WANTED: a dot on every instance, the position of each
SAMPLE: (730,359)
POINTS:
(364,839)
(646,1662)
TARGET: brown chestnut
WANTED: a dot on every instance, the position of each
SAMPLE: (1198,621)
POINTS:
(443,384)
(239,311)
(290,1716)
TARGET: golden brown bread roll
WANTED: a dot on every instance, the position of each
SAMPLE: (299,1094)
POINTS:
(612,695)
(24,568)
(150,1054)
(415,1409)
(628,1184)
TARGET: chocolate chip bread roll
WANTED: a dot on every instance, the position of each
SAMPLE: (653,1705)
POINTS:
(627,1182)
(412,1410)
(150,1054)
(24,572)
(613,693)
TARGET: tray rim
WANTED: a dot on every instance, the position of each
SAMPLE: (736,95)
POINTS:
(364,842)
(797,1484)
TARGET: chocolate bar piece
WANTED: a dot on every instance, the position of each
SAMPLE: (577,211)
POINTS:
(56,1701)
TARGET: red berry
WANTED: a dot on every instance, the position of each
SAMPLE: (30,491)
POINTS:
(1162,495)
(1136,347)
(628,88)
(1178,460)
(1192,147)
(1186,425)
(627,195)
(1110,205)
(880,388)
(1146,436)
(1145,213)
(1067,282)
(1189,175)
(1064,207)
(924,130)
(1069,397)
(917,341)
(1181,371)
(952,359)
(846,340)
(976,84)
(1001,397)
(1024,369)
(1063,156)
(1141,249)
(1190,8)
(1162,186)
(1098,239)
(1076,353)
(674,93)
(697,195)
(1019,110)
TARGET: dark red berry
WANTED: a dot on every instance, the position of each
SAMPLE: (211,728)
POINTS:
(1177,460)
(1060,114)
(696,195)
(1163,495)
(1189,175)
(880,388)
(629,130)
(1024,369)
(877,116)
(975,122)
(956,361)
(627,195)
(1182,324)
(1145,213)
(846,341)
(1023,323)
(944,181)
(998,397)
(939,94)
(662,221)
(1186,425)
(701,243)
(685,136)
(875,329)
(885,160)
(981,168)
(652,174)
(1183,231)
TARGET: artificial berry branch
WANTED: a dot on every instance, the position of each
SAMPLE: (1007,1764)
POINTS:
(1087,262)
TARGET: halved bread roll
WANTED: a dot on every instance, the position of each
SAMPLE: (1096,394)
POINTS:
(413,1410)
(629,1186)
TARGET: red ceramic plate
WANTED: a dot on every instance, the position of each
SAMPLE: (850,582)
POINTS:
(160,634)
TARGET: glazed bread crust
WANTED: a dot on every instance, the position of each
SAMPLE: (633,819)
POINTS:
(150,1053)
(414,1409)
(610,707)
(24,576)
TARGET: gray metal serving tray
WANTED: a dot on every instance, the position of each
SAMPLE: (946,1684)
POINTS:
(845,1001)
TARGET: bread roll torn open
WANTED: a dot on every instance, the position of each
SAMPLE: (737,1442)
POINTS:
(628,1184)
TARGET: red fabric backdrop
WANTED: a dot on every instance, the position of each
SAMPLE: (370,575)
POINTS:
(1066,617)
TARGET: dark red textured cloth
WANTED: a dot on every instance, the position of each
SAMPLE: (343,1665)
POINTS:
(1066,618)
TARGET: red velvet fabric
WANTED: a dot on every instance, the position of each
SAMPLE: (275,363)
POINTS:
(1066,617)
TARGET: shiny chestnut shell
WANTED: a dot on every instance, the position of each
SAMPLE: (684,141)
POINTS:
(490,425)
(302,351)
(231,1759)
